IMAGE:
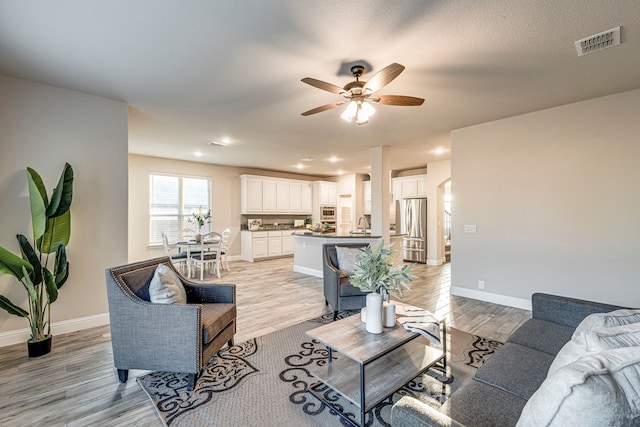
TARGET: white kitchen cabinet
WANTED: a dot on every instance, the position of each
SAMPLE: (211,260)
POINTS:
(251,189)
(367,197)
(269,196)
(409,186)
(306,199)
(295,197)
(275,243)
(422,185)
(254,245)
(397,189)
(287,243)
(282,197)
(257,245)
(327,193)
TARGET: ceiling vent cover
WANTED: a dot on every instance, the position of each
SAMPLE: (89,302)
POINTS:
(598,41)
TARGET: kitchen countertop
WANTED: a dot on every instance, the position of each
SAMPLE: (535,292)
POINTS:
(346,236)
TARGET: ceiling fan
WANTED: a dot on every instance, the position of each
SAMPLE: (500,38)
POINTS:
(359,94)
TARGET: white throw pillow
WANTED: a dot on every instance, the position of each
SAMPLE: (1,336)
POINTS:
(166,287)
(595,341)
(601,389)
(347,258)
(607,320)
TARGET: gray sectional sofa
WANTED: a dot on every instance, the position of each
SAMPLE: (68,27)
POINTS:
(504,384)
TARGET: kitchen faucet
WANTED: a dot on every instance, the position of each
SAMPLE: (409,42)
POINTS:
(366,224)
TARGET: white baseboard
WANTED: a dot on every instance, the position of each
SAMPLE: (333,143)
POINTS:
(65,326)
(436,262)
(308,271)
(493,298)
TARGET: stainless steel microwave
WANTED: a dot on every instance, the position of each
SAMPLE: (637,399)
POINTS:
(327,213)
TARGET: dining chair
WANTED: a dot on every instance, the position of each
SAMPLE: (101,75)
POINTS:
(180,260)
(224,248)
(208,254)
(186,234)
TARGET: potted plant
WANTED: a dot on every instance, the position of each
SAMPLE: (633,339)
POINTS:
(374,273)
(200,219)
(42,268)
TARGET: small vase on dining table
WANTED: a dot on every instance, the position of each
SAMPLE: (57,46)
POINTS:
(198,237)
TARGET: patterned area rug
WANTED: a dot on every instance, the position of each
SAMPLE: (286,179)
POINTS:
(264,382)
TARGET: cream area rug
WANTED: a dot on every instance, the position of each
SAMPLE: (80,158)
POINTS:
(264,382)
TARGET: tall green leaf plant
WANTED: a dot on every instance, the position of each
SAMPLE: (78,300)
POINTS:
(42,267)
(374,271)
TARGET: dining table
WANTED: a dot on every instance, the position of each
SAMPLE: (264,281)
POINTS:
(193,246)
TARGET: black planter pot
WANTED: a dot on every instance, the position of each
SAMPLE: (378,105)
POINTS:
(39,348)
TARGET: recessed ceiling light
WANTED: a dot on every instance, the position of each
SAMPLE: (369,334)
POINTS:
(439,150)
(340,172)
(333,159)
(300,166)
(307,159)
(198,154)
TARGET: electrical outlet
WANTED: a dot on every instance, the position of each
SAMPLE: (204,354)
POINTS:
(470,228)
(480,284)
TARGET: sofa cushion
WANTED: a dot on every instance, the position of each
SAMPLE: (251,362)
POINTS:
(607,320)
(215,317)
(542,335)
(166,287)
(594,341)
(479,405)
(601,389)
(347,259)
(515,369)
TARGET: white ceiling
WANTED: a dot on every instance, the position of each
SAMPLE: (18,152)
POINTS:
(198,70)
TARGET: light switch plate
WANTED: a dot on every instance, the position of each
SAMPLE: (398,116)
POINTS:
(469,228)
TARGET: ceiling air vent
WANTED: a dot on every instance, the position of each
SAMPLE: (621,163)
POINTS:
(598,41)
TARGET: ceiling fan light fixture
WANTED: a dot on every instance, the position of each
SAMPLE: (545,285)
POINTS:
(350,112)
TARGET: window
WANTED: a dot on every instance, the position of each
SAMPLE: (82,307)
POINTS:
(172,201)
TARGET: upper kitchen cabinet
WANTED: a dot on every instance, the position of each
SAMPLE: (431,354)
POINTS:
(251,189)
(326,192)
(272,196)
(410,186)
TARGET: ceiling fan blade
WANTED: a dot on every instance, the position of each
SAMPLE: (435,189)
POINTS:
(401,100)
(323,108)
(323,85)
(383,77)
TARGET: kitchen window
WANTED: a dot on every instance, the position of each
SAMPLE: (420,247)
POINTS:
(172,201)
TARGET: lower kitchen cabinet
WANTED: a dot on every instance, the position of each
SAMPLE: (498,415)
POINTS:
(258,245)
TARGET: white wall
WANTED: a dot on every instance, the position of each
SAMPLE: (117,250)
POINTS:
(437,174)
(43,127)
(555,197)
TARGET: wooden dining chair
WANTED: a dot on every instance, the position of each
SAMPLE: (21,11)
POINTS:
(208,255)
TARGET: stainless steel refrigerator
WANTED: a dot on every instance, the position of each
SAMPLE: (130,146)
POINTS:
(413,224)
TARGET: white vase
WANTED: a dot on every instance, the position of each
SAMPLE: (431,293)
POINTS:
(374,313)
(388,315)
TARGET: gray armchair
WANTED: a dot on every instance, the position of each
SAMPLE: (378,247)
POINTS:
(166,337)
(338,293)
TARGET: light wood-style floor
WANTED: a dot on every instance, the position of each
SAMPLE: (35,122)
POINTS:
(76,384)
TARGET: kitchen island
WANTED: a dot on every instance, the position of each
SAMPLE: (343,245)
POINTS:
(307,249)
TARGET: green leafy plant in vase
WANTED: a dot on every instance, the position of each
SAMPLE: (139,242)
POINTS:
(375,273)
(42,267)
